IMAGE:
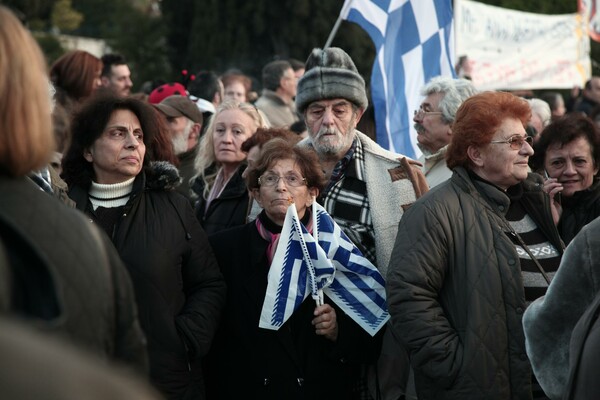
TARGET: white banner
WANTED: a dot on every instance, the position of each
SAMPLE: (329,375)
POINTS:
(510,49)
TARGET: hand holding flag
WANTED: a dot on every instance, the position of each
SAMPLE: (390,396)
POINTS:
(332,265)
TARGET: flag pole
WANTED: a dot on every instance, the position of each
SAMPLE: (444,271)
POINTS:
(337,24)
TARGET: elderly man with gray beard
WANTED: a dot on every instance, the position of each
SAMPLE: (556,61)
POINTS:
(184,119)
(369,187)
(433,123)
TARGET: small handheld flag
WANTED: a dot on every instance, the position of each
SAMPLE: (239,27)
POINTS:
(331,265)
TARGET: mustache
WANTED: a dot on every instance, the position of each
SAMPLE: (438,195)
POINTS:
(327,131)
(419,128)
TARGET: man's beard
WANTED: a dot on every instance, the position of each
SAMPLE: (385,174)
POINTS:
(331,145)
(180,141)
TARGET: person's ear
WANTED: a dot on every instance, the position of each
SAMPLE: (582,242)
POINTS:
(359,113)
(87,154)
(314,192)
(475,155)
(256,195)
(195,132)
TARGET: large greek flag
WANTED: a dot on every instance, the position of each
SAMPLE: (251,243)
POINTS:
(414,43)
(331,265)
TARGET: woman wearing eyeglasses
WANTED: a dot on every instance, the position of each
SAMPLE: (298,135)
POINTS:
(314,354)
(469,257)
(568,154)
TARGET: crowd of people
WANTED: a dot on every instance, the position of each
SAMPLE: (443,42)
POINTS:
(140,232)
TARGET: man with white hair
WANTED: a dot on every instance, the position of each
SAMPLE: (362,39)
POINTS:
(184,119)
(433,123)
(369,187)
(540,116)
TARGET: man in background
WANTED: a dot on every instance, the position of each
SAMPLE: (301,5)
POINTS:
(433,123)
(185,123)
(116,75)
(279,89)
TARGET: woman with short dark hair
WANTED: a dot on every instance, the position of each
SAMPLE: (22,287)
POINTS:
(568,155)
(302,359)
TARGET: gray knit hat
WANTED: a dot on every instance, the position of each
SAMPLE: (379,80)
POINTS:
(330,74)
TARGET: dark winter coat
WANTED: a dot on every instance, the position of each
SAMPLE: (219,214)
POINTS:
(578,210)
(66,275)
(226,211)
(291,363)
(179,288)
(455,291)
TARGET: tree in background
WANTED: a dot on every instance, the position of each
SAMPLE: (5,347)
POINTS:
(222,34)
(162,38)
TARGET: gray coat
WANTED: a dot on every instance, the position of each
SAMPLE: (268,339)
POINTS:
(549,321)
(455,291)
(67,278)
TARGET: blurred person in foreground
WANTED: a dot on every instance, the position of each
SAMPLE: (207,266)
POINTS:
(65,278)
(179,289)
(568,155)
(563,356)
(464,266)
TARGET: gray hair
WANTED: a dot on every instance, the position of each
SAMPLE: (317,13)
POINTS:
(542,109)
(455,91)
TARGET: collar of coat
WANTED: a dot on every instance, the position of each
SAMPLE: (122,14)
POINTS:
(160,175)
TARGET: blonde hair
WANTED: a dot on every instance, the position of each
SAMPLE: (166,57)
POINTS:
(206,153)
(26,141)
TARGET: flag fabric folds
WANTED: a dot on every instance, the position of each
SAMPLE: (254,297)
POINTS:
(413,43)
(325,262)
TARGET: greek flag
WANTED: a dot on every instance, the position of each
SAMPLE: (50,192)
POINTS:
(329,265)
(414,42)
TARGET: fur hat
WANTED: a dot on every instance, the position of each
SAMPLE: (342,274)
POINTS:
(330,74)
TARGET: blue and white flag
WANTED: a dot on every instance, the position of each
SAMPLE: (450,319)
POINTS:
(414,42)
(333,266)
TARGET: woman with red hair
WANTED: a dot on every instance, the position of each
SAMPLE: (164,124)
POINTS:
(471,255)
(75,76)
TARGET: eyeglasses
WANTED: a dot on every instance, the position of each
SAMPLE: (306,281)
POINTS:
(516,141)
(292,180)
(421,113)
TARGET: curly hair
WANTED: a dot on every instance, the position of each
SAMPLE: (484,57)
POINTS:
(278,149)
(88,125)
(477,120)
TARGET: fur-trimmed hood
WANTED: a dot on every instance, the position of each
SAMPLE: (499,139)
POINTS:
(162,175)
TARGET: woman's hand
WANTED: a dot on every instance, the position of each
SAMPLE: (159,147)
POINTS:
(325,322)
(554,189)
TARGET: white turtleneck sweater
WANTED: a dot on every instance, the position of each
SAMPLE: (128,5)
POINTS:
(110,195)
